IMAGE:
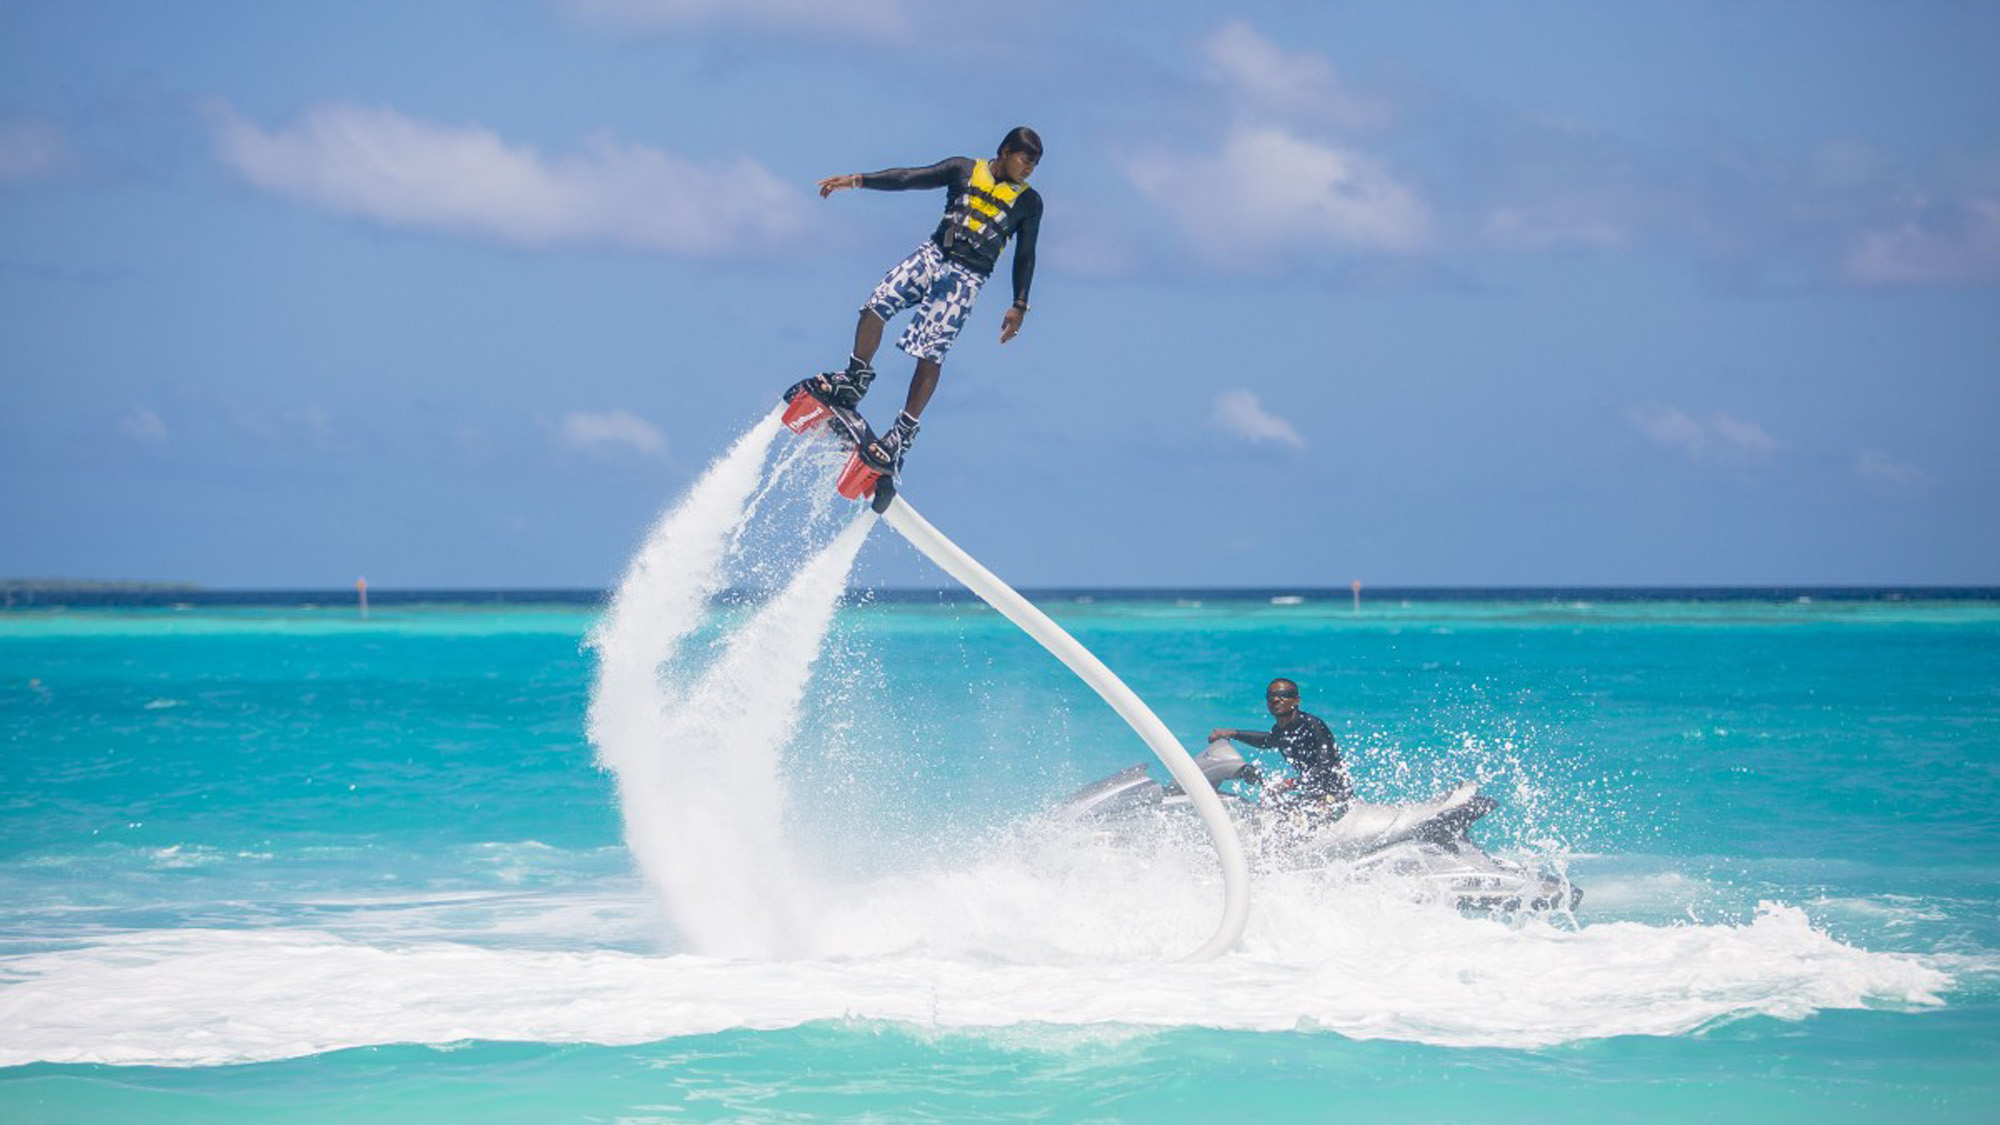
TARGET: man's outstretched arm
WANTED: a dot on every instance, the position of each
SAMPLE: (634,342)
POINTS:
(941,174)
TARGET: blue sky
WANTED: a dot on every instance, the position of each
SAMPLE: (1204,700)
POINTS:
(462,293)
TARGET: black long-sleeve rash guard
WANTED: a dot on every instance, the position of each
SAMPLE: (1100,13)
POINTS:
(1309,748)
(1021,222)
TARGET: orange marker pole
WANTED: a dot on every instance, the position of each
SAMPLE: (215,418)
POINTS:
(1357,595)
(361,586)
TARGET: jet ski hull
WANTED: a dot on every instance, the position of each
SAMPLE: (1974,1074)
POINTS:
(1422,843)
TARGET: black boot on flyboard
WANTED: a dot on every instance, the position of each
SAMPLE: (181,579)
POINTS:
(830,398)
(875,458)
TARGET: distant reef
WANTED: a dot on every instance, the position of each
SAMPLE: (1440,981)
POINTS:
(91,586)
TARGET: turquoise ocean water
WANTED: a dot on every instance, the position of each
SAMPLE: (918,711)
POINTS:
(282,862)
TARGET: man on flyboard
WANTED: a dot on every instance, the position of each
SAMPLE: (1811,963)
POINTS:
(986,203)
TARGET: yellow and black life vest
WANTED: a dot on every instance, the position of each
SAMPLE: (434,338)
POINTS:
(979,219)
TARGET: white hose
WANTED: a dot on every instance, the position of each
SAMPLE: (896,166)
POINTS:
(999,595)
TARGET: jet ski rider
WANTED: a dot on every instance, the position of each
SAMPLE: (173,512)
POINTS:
(1308,747)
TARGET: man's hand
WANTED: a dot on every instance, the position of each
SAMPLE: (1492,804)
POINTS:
(1217,735)
(834,183)
(1010,325)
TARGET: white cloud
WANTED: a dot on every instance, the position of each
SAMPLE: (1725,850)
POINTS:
(32,149)
(1275,184)
(1558,182)
(1268,191)
(1283,160)
(1880,468)
(868,19)
(381,165)
(1544,226)
(611,431)
(1844,213)
(1717,439)
(295,427)
(142,425)
(1935,244)
(1299,83)
(1239,413)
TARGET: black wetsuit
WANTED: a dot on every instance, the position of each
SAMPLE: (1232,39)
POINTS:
(975,245)
(1309,748)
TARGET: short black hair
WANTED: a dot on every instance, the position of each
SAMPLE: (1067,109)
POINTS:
(1290,690)
(1024,139)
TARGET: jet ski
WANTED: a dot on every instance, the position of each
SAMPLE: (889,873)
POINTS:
(1425,842)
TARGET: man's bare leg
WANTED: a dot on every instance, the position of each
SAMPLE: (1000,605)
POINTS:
(922,384)
(885,453)
(867,337)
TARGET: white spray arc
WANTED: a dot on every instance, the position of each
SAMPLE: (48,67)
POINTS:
(710,833)
(697,758)
(724,851)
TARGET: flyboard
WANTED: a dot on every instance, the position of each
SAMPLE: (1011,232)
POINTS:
(858,480)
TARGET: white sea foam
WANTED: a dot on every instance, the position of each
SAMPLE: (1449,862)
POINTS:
(1020,934)
(1376,969)
(1890,910)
